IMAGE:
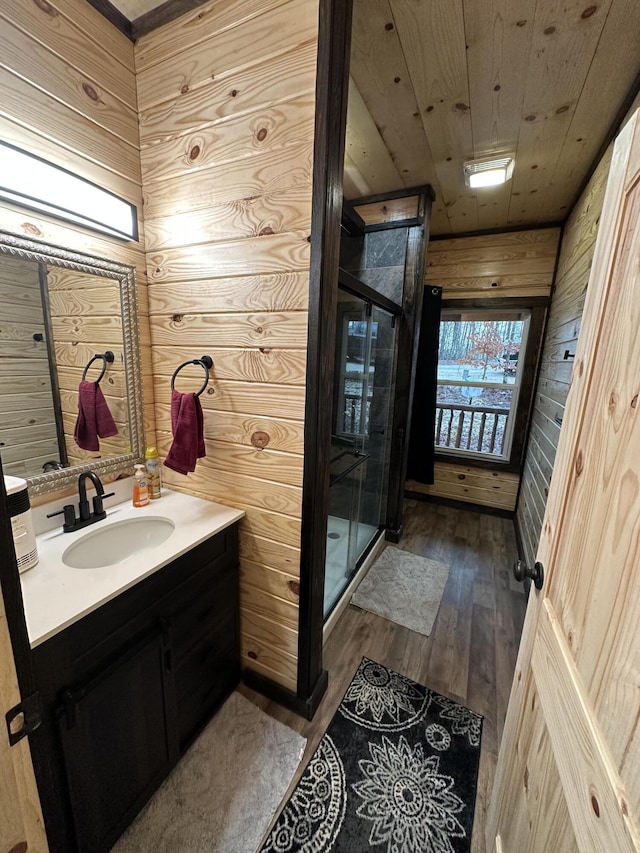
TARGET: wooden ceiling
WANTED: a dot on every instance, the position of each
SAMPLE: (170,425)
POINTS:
(437,82)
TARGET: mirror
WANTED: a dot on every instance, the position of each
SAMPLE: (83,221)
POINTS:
(58,311)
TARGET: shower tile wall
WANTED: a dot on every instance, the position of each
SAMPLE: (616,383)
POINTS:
(377,259)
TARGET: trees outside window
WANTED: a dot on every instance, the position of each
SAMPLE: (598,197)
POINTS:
(479,369)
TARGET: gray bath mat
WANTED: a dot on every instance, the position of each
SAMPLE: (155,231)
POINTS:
(224,793)
(403,588)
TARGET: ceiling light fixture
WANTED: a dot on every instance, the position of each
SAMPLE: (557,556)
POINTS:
(35,183)
(487,173)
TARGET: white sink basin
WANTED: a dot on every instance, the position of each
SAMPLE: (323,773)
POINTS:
(114,543)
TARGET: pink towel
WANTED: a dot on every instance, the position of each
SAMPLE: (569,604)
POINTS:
(94,417)
(188,433)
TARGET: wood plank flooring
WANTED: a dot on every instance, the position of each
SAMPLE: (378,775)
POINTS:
(471,653)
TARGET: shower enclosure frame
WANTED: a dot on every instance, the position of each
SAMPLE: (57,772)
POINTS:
(320,351)
(361,440)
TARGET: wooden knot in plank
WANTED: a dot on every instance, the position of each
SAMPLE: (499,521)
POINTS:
(47,8)
(260,438)
(294,586)
(90,92)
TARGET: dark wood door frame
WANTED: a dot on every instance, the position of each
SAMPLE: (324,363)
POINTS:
(334,48)
(13,604)
(16,623)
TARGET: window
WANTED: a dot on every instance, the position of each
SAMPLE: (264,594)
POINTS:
(480,367)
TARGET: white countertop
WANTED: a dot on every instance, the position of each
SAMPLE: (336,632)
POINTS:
(55,596)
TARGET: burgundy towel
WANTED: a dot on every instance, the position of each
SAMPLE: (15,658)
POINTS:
(188,433)
(94,418)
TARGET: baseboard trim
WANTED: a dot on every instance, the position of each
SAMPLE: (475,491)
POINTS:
(304,707)
(394,535)
(436,499)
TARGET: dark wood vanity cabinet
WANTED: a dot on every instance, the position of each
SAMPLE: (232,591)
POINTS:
(127,688)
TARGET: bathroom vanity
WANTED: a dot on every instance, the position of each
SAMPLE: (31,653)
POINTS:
(127,682)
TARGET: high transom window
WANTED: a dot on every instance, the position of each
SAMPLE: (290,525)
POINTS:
(479,378)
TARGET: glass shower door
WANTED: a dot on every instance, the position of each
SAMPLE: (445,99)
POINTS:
(361,406)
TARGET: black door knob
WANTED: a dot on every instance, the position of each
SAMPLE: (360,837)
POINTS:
(522,571)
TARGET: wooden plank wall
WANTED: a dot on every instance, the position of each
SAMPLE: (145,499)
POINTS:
(86,320)
(68,94)
(471,484)
(226,97)
(563,327)
(389,210)
(517,263)
(28,434)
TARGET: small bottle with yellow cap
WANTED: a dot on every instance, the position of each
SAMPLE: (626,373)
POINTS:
(152,463)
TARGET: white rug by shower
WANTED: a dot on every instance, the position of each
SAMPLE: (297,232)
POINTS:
(404,588)
(223,794)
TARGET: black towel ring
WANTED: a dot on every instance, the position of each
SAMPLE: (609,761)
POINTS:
(205,362)
(107,358)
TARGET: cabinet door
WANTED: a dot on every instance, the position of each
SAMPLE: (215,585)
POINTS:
(116,743)
(205,635)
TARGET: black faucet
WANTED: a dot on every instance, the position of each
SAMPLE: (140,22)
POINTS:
(86,517)
(83,506)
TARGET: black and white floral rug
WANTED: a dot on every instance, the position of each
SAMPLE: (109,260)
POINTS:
(396,772)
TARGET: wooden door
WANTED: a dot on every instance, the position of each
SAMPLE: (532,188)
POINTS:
(568,775)
(21,824)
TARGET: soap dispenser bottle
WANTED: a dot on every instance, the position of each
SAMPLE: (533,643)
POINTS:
(140,487)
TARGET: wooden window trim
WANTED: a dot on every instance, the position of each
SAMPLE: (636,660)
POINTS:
(538,307)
